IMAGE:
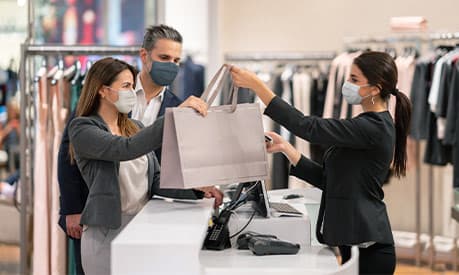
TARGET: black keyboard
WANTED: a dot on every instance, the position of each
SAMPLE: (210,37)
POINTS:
(285,208)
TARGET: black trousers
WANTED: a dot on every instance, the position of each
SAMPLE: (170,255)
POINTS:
(376,259)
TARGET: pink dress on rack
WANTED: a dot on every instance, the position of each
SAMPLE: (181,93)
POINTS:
(41,199)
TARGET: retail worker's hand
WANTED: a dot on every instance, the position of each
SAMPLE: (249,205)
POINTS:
(196,103)
(245,79)
(279,144)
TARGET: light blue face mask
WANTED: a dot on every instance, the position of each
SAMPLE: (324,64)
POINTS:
(163,73)
(351,94)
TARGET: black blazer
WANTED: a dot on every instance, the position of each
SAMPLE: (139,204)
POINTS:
(73,189)
(352,210)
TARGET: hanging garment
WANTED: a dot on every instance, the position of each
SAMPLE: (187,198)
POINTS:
(331,89)
(436,153)
(75,91)
(189,80)
(452,109)
(58,237)
(280,164)
(436,80)
(41,244)
(405,68)
(442,101)
(193,78)
(287,96)
(302,99)
(11,84)
(452,122)
(419,99)
(443,93)
(318,92)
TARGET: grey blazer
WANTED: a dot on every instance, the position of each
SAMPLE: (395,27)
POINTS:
(98,154)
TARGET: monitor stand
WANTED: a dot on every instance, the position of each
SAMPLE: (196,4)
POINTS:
(265,223)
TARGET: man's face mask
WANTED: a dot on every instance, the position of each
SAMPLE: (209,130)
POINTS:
(163,73)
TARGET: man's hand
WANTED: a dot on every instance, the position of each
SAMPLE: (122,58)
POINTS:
(74,228)
(212,192)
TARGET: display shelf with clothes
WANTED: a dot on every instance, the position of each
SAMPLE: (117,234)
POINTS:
(301,79)
(48,96)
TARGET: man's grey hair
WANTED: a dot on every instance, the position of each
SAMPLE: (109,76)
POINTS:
(154,33)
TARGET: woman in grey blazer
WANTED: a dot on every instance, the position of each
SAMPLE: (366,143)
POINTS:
(364,152)
(116,159)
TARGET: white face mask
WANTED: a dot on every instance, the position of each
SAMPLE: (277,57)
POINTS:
(126,101)
(351,94)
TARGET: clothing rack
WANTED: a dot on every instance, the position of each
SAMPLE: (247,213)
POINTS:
(280,56)
(26,140)
(413,37)
(418,39)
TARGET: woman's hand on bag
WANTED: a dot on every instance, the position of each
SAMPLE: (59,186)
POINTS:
(279,144)
(196,103)
(212,192)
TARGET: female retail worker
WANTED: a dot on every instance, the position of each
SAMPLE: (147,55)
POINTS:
(363,148)
(116,159)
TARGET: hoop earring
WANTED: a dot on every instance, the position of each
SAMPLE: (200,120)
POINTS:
(373,100)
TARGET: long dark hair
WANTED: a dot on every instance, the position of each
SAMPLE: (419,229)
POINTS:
(380,70)
(103,73)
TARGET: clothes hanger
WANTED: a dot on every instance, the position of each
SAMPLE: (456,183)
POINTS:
(41,71)
(288,72)
(77,74)
(52,72)
(88,66)
(59,73)
(392,52)
(70,72)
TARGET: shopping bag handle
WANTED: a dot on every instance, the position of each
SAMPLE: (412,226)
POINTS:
(215,86)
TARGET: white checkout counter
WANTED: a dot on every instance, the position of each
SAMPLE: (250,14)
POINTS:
(166,237)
